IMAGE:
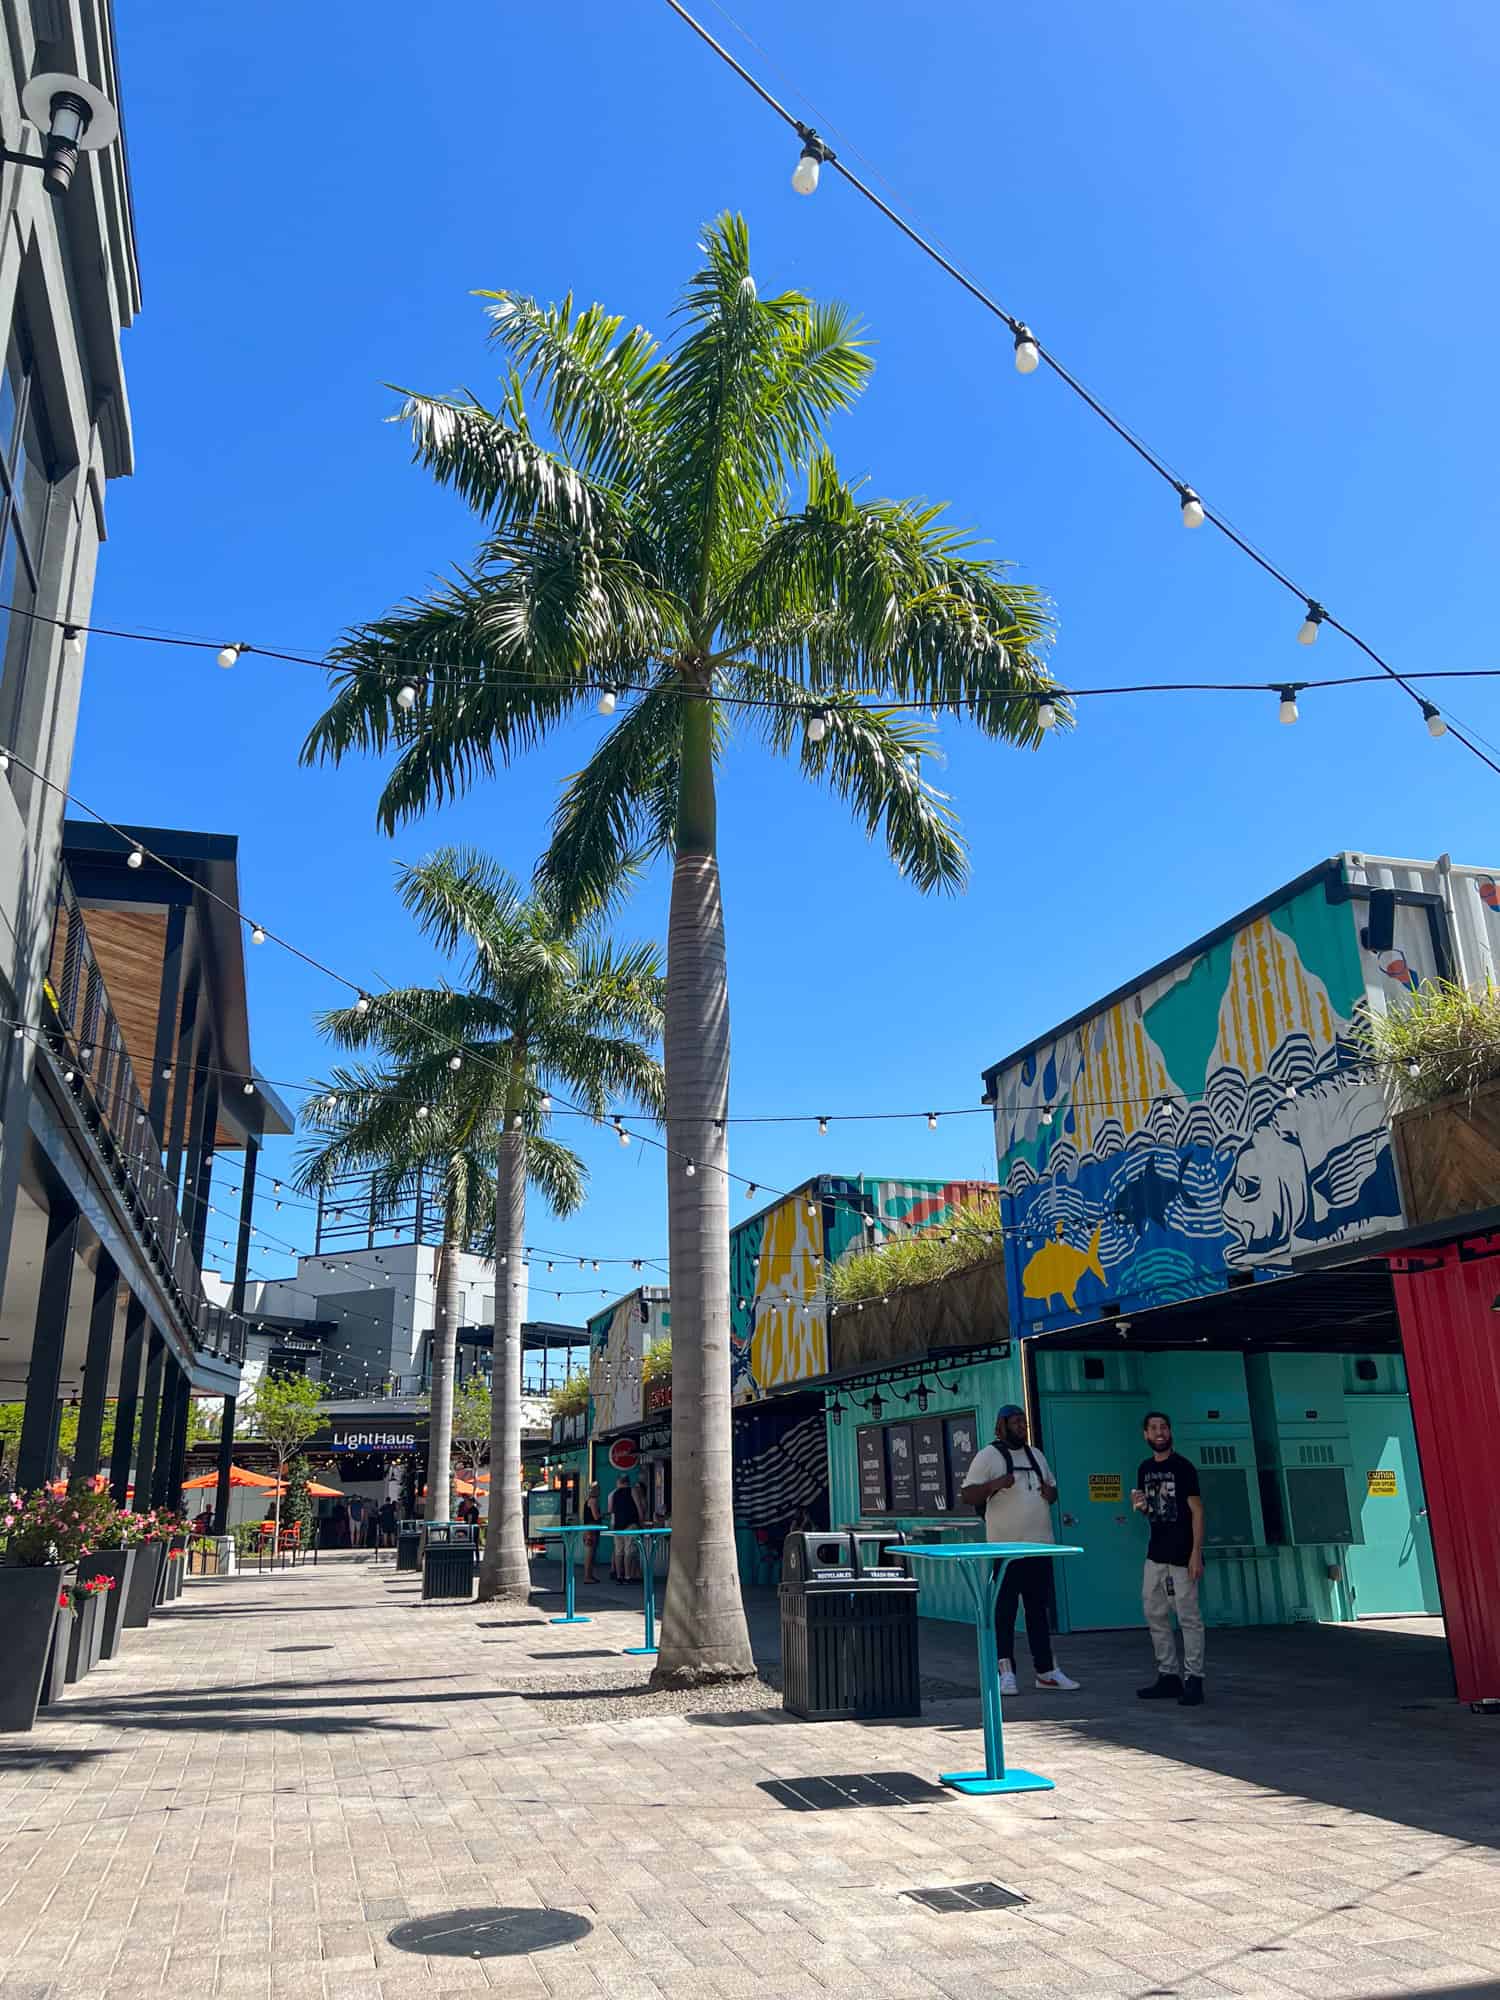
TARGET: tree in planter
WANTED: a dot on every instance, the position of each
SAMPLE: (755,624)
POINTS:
(687,546)
(285,1412)
(296,1502)
(473,1417)
(551,1004)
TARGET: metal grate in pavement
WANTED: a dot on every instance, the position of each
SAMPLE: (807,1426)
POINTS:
(489,1933)
(967,1896)
(863,1788)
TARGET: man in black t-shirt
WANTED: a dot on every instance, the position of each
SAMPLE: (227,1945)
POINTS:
(1166,1492)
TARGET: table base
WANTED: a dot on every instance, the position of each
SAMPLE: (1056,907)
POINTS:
(573,1618)
(642,1649)
(980,1782)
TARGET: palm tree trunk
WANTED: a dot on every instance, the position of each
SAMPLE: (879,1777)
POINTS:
(703,1631)
(506,1572)
(444,1347)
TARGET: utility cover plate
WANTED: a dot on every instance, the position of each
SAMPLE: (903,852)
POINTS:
(967,1896)
(489,1933)
(861,1788)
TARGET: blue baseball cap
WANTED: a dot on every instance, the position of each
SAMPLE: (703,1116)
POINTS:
(1011,1410)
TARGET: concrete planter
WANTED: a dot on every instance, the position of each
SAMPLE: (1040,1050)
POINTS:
(141,1596)
(1448,1156)
(120,1564)
(83,1640)
(56,1677)
(28,1616)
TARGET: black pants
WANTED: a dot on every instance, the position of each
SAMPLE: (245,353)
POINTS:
(1029,1582)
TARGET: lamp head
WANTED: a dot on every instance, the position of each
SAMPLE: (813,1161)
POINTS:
(73,117)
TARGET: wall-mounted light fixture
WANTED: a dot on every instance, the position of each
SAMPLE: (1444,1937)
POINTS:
(73,117)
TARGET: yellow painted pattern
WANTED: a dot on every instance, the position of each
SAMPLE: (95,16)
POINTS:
(1120,1062)
(1268,995)
(789,1343)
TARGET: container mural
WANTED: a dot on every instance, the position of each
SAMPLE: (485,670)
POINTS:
(618,1339)
(777,1259)
(1215,1119)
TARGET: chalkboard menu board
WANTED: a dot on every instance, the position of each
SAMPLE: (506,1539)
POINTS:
(963,1449)
(902,1468)
(932,1466)
(872,1490)
(915,1468)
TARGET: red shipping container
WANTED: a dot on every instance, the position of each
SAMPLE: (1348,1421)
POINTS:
(1450,1332)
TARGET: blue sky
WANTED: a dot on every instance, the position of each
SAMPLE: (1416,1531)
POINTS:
(1258,232)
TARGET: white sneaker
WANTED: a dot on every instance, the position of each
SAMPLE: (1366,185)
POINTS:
(1008,1683)
(1056,1679)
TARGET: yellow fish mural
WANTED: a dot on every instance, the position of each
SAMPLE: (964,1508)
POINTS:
(1054,1271)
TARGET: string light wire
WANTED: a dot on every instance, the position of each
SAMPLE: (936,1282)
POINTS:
(1025,338)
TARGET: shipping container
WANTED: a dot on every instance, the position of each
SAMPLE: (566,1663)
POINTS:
(1219,1114)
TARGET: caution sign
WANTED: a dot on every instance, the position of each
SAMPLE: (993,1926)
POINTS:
(1106,1487)
(1381,1485)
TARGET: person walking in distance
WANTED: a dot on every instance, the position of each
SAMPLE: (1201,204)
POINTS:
(623,1513)
(1166,1492)
(1013,1483)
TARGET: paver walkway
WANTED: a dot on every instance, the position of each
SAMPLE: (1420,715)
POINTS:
(285,1769)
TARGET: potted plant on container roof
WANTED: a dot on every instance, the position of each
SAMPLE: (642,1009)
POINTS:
(1439,1051)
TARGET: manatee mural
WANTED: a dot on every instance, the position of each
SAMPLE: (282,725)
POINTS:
(1214,1120)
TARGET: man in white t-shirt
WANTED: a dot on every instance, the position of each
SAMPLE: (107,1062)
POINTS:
(1014,1484)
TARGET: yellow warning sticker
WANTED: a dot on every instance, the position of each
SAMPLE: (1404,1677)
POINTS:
(1381,1485)
(1107,1487)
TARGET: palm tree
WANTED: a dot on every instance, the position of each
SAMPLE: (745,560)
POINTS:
(550,1005)
(686,548)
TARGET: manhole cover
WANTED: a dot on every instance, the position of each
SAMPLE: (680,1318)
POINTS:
(489,1933)
(966,1896)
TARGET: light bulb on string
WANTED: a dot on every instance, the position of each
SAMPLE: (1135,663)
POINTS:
(817,727)
(406,696)
(608,702)
(362,1004)
(750,1191)
(1193,515)
(229,655)
(546,1104)
(455,1062)
(822,1128)
(1046,715)
(809,167)
(1028,354)
(690,1169)
(1433,718)
(1307,634)
(249,1088)
(73,640)
(1046,1114)
(135,857)
(932,1121)
(1288,710)
(257,935)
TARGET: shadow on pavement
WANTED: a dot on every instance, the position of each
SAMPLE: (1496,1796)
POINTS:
(1356,1717)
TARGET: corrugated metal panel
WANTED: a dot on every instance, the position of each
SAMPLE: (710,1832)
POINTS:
(1451,1337)
(1471,897)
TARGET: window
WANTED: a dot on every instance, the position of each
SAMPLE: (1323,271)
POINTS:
(25,493)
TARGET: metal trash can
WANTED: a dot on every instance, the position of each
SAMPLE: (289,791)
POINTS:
(409,1544)
(450,1560)
(848,1630)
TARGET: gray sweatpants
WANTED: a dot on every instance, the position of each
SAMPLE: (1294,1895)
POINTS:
(1159,1604)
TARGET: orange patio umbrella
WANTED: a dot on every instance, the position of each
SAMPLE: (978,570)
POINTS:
(238,1476)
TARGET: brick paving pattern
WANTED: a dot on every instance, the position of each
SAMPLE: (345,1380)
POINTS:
(286,1768)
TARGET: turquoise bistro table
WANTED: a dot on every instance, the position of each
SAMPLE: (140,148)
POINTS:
(982,1566)
(566,1536)
(648,1539)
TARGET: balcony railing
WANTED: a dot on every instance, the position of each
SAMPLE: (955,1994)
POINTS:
(87,1047)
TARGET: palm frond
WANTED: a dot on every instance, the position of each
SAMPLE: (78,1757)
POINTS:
(500,469)
(602,387)
(872,758)
(620,806)
(557,1174)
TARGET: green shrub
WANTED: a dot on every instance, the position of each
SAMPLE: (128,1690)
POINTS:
(970,1237)
(656,1363)
(571,1394)
(1443,1042)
